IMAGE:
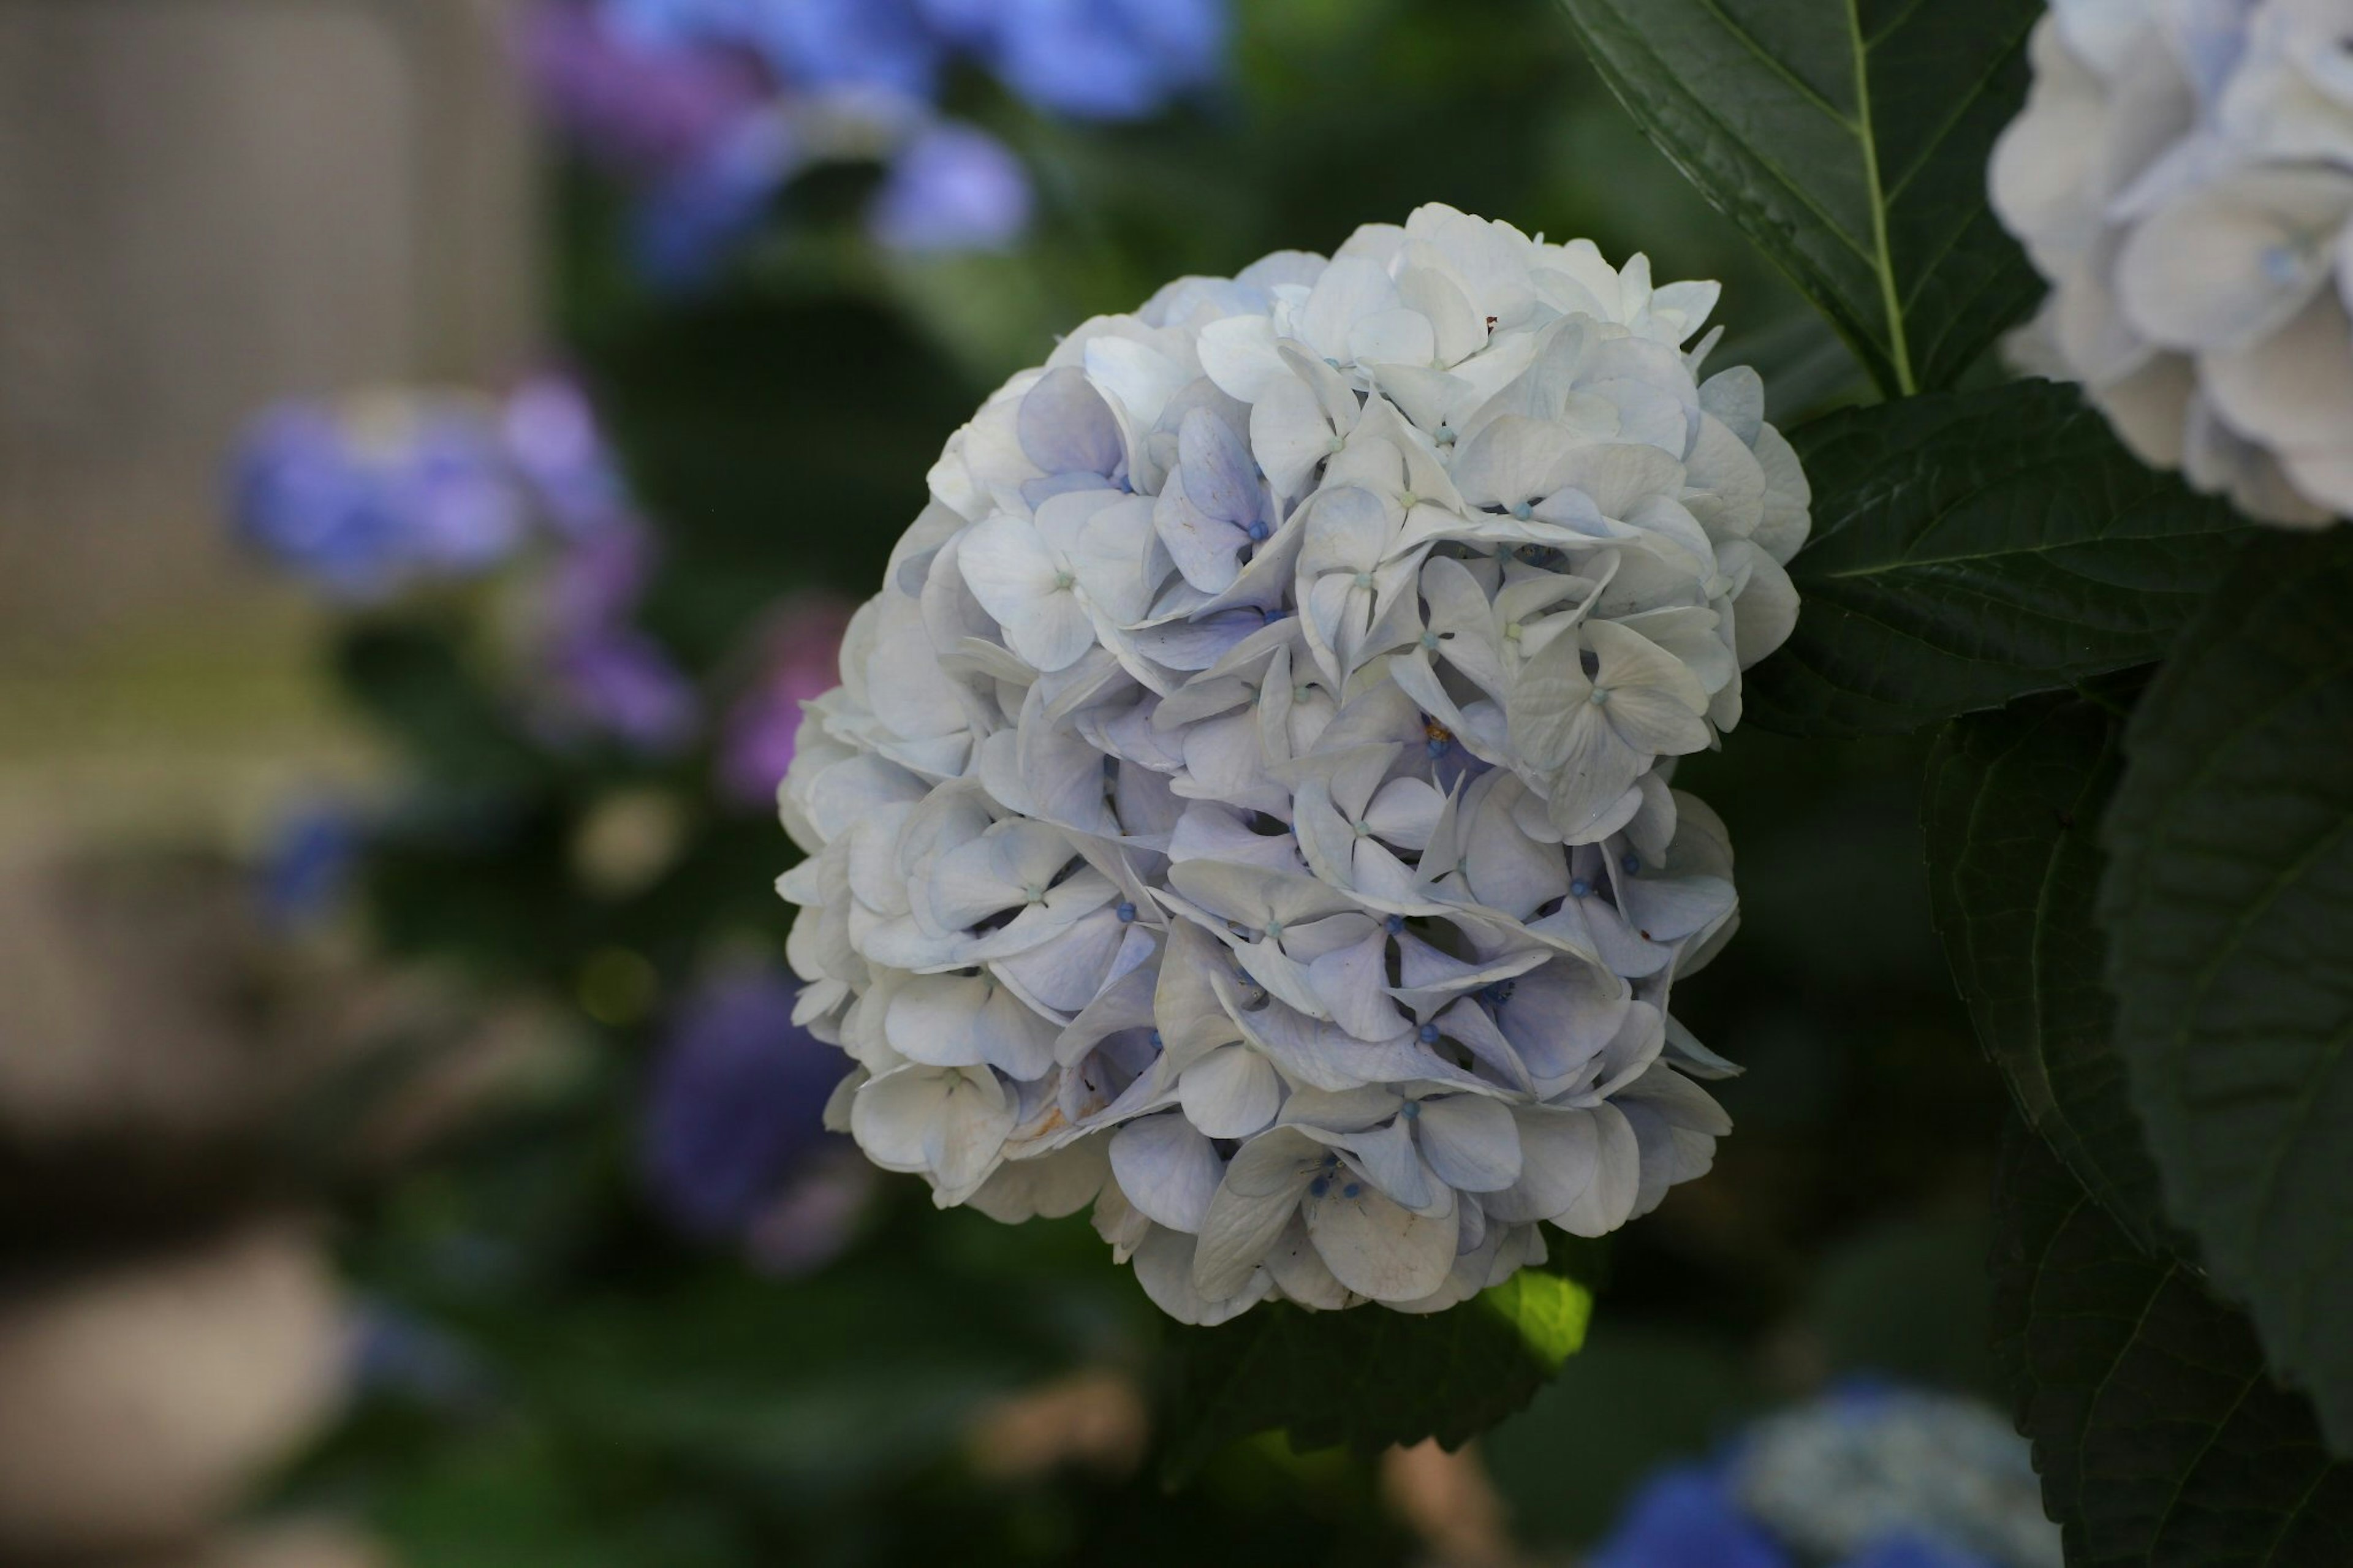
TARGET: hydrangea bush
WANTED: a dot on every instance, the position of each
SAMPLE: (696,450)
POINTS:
(2135,809)
(1247,807)
(2183,175)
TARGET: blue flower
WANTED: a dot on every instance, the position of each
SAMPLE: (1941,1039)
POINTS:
(553,440)
(880,45)
(710,108)
(307,867)
(952,188)
(1869,1475)
(1687,1517)
(363,497)
(736,1104)
(686,221)
(1106,60)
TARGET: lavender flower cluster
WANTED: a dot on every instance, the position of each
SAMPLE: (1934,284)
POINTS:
(711,108)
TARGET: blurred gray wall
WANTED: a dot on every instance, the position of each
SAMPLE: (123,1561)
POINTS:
(205,204)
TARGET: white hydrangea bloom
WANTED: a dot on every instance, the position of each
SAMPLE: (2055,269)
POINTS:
(1246,805)
(2183,175)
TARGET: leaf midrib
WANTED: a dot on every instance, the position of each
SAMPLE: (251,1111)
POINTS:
(1867,134)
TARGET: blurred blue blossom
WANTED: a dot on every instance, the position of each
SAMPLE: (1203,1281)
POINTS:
(1104,59)
(365,498)
(553,437)
(395,1352)
(710,108)
(734,1146)
(1687,1517)
(1868,1477)
(952,188)
(308,865)
(386,491)
(815,45)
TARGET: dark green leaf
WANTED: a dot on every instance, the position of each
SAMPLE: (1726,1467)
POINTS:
(1969,549)
(2160,1436)
(2229,909)
(1370,1377)
(1849,138)
(2010,813)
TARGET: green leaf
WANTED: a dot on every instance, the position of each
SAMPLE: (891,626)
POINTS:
(1970,549)
(1369,1377)
(1849,139)
(2159,1435)
(2229,909)
(2011,814)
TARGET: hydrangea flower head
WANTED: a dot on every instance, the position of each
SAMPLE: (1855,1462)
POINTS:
(1245,809)
(1866,1477)
(2183,174)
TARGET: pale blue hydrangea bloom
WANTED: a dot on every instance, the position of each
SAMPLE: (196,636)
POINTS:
(1246,805)
(2183,174)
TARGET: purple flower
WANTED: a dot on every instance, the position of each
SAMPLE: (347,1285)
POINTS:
(952,188)
(690,120)
(734,1146)
(602,676)
(365,496)
(802,661)
(619,682)
(635,100)
(552,437)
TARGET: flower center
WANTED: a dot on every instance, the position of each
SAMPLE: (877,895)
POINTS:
(1523,510)
(1601,696)
(1063,580)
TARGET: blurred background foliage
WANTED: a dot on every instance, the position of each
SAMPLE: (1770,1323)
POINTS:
(549,1368)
